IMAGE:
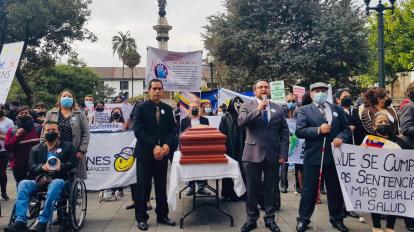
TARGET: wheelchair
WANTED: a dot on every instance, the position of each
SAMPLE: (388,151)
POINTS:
(73,202)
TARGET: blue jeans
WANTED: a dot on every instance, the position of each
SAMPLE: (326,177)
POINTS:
(26,188)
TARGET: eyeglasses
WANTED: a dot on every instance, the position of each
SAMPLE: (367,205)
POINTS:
(293,101)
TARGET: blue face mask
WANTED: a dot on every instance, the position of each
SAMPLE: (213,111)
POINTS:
(320,97)
(66,102)
(291,105)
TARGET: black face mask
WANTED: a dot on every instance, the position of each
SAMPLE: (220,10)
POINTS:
(383,129)
(99,109)
(25,122)
(51,136)
(347,101)
(1,113)
(194,111)
(41,113)
(387,102)
(116,116)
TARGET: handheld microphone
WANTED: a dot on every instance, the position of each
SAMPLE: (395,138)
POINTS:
(264,98)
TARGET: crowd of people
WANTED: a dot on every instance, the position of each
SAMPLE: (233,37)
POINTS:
(258,138)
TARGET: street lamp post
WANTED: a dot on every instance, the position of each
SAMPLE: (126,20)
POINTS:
(380,8)
(210,59)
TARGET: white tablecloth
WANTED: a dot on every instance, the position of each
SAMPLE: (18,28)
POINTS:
(188,172)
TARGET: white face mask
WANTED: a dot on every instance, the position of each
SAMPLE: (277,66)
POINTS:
(208,110)
(220,113)
(88,104)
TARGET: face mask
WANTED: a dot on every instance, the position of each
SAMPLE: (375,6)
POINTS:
(1,113)
(291,105)
(208,110)
(41,113)
(116,116)
(220,113)
(66,102)
(51,136)
(320,97)
(89,104)
(194,111)
(388,102)
(99,109)
(383,129)
(346,101)
(25,122)
(12,107)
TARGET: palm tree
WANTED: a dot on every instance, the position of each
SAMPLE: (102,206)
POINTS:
(122,43)
(131,59)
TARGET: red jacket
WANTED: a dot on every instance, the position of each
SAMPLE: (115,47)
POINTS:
(19,146)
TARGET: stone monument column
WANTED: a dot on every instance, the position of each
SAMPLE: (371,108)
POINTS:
(162,28)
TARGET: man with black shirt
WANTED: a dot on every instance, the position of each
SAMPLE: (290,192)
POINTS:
(154,128)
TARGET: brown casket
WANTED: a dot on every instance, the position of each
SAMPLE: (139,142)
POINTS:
(202,146)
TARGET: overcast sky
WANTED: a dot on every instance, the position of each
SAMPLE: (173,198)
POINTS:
(138,16)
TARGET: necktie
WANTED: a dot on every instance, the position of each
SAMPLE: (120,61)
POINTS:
(157,114)
(265,117)
(322,110)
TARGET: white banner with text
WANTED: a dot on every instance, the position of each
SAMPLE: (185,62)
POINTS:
(376,180)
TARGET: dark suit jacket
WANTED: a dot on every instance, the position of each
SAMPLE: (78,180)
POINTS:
(149,133)
(39,154)
(263,142)
(308,120)
(407,124)
(186,123)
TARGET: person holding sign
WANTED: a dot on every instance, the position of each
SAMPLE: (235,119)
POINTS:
(266,146)
(383,138)
(320,124)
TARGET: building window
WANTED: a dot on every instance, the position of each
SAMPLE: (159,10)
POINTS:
(123,85)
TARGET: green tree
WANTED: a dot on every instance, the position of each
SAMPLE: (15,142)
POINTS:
(298,41)
(131,59)
(48,82)
(121,43)
(398,39)
(47,27)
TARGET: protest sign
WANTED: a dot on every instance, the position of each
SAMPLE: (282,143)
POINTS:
(299,91)
(277,91)
(178,71)
(376,180)
(110,160)
(9,60)
(296,145)
(109,127)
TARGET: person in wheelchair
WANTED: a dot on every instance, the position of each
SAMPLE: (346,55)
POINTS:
(49,163)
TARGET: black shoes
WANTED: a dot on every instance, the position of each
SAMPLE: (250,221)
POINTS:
(40,227)
(410,228)
(166,221)
(283,190)
(272,226)
(340,227)
(249,226)
(301,227)
(16,227)
(203,191)
(142,226)
(323,190)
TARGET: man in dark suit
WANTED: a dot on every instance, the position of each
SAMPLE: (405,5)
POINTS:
(266,145)
(194,119)
(315,122)
(154,128)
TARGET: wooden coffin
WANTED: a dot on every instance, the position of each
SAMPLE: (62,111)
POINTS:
(202,146)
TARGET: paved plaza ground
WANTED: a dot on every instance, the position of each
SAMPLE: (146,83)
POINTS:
(112,216)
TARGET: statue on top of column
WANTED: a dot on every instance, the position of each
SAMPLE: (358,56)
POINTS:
(161,5)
